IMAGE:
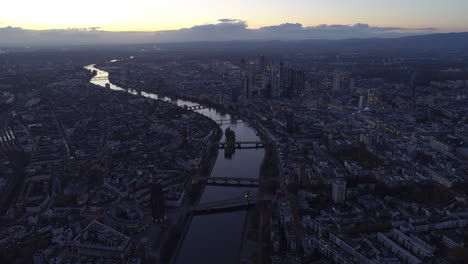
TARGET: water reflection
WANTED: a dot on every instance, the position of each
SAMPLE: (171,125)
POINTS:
(213,239)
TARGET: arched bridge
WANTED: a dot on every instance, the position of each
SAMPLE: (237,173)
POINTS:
(244,145)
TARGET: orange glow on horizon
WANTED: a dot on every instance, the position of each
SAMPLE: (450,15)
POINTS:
(156,15)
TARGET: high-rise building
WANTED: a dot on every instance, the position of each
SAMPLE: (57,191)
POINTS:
(157,203)
(235,93)
(362,101)
(38,257)
(246,86)
(352,84)
(261,63)
(372,98)
(413,91)
(339,191)
(292,81)
(254,80)
(275,84)
(243,66)
(338,80)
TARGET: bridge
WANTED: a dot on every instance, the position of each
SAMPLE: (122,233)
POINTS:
(104,78)
(244,145)
(229,181)
(228,121)
(248,199)
(195,107)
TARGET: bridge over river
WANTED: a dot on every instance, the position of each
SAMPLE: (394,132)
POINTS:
(248,199)
(101,78)
(228,121)
(229,181)
(195,107)
(244,145)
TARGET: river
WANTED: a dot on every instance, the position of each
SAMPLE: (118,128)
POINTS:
(214,238)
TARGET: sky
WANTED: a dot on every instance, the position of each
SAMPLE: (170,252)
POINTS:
(175,20)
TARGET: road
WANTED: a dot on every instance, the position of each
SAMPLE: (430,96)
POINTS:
(298,228)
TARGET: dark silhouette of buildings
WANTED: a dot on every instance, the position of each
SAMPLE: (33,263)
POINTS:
(158,210)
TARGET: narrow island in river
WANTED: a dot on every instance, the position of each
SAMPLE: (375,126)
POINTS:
(230,142)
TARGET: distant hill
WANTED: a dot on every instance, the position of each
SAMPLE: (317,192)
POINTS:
(446,42)
(437,44)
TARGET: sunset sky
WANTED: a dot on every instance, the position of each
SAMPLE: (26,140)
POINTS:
(156,15)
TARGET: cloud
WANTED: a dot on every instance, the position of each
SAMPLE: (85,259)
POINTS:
(225,29)
(16,36)
(285,26)
(229,20)
(429,29)
(235,29)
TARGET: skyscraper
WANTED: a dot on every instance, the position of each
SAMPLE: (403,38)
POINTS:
(157,204)
(339,191)
(352,83)
(235,93)
(261,63)
(292,81)
(338,78)
(362,101)
(275,83)
(254,81)
(371,97)
(246,85)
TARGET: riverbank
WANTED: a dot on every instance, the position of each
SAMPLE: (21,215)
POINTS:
(177,235)
(258,224)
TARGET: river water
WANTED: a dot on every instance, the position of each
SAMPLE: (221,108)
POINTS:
(214,238)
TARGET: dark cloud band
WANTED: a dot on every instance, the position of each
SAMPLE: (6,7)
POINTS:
(226,29)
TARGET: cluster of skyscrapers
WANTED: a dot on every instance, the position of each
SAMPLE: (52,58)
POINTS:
(270,80)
